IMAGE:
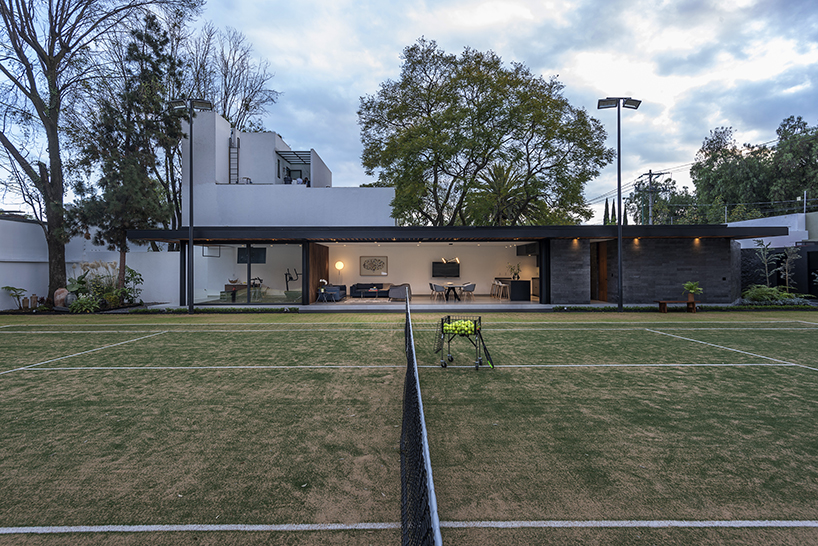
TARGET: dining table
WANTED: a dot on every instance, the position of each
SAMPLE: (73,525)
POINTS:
(453,289)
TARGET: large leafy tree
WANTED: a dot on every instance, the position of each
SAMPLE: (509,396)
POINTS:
(736,174)
(125,132)
(453,131)
(755,175)
(47,56)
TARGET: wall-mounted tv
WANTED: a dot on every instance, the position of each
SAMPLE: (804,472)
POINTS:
(445,269)
(257,255)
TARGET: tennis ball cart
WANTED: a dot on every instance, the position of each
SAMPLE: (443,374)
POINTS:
(451,327)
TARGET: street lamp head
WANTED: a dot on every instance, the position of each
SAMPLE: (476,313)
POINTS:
(633,104)
(201,104)
(613,102)
(195,104)
(607,103)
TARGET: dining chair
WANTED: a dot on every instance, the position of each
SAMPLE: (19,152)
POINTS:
(468,290)
(437,291)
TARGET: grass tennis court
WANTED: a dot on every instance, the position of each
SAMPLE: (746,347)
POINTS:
(292,422)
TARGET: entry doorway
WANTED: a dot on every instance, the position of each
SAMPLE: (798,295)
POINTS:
(599,271)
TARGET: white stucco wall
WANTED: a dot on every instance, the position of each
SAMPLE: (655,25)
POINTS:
(288,205)
(24,263)
(797,224)
(267,201)
(23,259)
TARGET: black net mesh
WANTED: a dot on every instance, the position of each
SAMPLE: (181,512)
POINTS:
(418,521)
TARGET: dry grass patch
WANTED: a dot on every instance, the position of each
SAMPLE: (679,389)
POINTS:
(658,443)
(131,447)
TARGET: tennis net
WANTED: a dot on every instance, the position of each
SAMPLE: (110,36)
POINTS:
(419,521)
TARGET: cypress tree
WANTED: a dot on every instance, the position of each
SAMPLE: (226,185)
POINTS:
(606,215)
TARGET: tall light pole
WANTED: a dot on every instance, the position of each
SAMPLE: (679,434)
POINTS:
(191,105)
(618,103)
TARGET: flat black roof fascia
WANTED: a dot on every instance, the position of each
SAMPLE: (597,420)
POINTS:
(223,235)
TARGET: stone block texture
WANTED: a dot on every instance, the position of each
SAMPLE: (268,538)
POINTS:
(656,269)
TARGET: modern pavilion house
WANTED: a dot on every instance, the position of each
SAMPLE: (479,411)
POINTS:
(259,239)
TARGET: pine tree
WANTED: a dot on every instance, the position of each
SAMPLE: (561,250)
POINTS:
(125,137)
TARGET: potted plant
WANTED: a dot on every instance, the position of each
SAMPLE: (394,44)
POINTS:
(515,271)
(323,285)
(692,288)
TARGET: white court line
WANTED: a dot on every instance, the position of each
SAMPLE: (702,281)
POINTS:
(636,328)
(380,366)
(692,365)
(318,367)
(196,528)
(80,354)
(545,524)
(173,331)
(630,523)
(731,349)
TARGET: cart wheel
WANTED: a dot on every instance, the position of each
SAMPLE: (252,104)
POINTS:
(451,358)
(476,365)
(442,364)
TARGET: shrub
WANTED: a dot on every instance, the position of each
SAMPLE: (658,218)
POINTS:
(85,304)
(16,293)
(758,294)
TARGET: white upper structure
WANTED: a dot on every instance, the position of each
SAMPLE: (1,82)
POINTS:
(803,229)
(242,180)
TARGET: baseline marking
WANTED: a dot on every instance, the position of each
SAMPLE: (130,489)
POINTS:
(693,365)
(196,528)
(554,524)
(731,349)
(108,368)
(80,354)
(381,366)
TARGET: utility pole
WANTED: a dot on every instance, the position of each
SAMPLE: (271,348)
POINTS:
(651,190)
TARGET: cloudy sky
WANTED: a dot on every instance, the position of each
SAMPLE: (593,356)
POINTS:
(695,64)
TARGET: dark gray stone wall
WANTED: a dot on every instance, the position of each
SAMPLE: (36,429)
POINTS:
(656,269)
(570,271)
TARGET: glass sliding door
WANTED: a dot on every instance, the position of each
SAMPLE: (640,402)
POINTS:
(247,274)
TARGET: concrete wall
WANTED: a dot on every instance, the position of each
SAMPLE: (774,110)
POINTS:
(656,269)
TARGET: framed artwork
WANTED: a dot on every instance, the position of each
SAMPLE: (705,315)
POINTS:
(374,266)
